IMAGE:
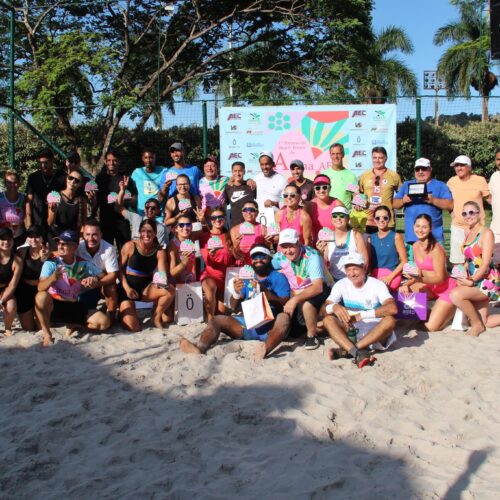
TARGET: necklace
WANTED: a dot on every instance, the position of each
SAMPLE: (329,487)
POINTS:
(47,184)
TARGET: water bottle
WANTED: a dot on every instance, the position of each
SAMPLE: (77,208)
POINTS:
(352,334)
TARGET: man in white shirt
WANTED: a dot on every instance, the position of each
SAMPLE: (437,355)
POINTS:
(270,185)
(494,200)
(359,314)
(103,255)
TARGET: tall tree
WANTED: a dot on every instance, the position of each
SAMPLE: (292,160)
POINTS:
(465,63)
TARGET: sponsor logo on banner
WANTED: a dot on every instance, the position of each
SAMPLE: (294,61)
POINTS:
(358,153)
(358,164)
(235,156)
(255,132)
(379,142)
(255,145)
(358,125)
(254,156)
(380,130)
(234,116)
(379,115)
(254,118)
(234,128)
(359,112)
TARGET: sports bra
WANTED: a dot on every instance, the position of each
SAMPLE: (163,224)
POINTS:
(32,267)
(191,214)
(425,265)
(140,264)
(6,271)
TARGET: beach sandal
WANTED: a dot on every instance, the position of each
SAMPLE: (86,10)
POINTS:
(339,353)
(364,358)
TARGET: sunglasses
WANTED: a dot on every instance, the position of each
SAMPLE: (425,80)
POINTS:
(249,210)
(339,216)
(470,213)
(217,217)
(380,217)
(182,225)
(74,179)
(322,187)
(150,207)
(259,256)
(421,169)
(289,195)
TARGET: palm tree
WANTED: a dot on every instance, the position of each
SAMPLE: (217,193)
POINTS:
(465,64)
(386,75)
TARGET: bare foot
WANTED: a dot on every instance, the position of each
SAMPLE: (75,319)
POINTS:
(476,330)
(188,347)
(69,332)
(157,323)
(260,351)
(8,333)
(47,341)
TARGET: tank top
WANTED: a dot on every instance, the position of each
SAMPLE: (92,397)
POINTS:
(383,252)
(68,214)
(6,271)
(32,267)
(189,273)
(12,213)
(248,240)
(294,224)
(338,253)
(191,214)
(322,217)
(140,264)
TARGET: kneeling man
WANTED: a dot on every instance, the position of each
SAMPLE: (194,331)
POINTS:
(277,290)
(362,306)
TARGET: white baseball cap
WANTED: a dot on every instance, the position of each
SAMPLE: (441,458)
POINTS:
(354,259)
(461,160)
(266,153)
(288,235)
(339,209)
(423,162)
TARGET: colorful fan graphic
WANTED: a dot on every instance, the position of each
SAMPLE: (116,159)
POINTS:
(322,128)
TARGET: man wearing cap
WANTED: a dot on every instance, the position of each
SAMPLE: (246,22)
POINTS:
(298,179)
(167,179)
(494,199)
(436,198)
(277,290)
(340,177)
(62,279)
(103,255)
(362,306)
(304,269)
(464,186)
(147,179)
(270,185)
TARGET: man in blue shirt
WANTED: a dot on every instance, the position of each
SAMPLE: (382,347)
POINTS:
(437,199)
(147,179)
(277,291)
(167,179)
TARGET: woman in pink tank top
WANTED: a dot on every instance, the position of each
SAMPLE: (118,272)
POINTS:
(320,208)
(244,235)
(291,216)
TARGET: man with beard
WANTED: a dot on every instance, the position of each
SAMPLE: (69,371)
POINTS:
(298,179)
(277,290)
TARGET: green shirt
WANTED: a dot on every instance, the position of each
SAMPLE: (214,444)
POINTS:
(340,179)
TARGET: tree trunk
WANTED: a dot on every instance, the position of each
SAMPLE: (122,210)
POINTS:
(485,116)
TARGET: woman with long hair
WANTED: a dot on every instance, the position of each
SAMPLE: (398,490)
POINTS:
(387,250)
(216,250)
(182,203)
(482,283)
(433,279)
(139,260)
(292,216)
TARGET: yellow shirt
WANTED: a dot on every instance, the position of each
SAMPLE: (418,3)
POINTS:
(379,190)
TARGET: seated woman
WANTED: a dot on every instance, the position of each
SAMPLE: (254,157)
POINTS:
(10,272)
(182,203)
(483,279)
(346,241)
(217,260)
(139,260)
(32,258)
(387,250)
(246,234)
(294,217)
(433,278)
(70,212)
(320,208)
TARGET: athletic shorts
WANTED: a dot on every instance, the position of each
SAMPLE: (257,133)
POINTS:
(251,334)
(72,313)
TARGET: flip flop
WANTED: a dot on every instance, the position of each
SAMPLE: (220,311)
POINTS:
(364,358)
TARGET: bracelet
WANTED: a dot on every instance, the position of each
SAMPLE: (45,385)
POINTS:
(329,309)
(237,296)
(370,314)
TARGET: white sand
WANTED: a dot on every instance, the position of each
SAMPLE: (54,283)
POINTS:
(130,416)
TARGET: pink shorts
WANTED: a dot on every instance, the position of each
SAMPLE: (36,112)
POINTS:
(381,272)
(443,290)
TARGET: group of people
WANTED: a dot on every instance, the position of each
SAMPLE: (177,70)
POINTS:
(324,252)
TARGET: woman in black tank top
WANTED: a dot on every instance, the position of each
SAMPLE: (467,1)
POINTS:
(32,258)
(10,272)
(138,261)
(172,209)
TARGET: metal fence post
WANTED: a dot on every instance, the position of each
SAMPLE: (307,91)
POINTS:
(12,144)
(418,123)
(205,128)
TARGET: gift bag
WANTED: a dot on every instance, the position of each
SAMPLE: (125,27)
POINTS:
(189,303)
(266,216)
(257,311)
(411,305)
(231,273)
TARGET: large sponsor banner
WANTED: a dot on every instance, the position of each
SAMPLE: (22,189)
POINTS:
(306,133)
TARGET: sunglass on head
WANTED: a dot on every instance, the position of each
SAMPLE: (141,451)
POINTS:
(74,179)
(289,195)
(339,216)
(382,217)
(322,187)
(249,209)
(217,217)
(421,169)
(185,224)
(469,213)
(258,256)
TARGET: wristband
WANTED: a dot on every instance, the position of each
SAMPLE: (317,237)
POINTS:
(237,296)
(370,314)
(329,309)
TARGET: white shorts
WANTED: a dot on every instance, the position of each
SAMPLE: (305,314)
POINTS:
(456,240)
(365,326)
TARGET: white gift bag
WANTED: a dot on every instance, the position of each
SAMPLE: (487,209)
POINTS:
(189,303)
(266,216)
(231,273)
(257,311)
